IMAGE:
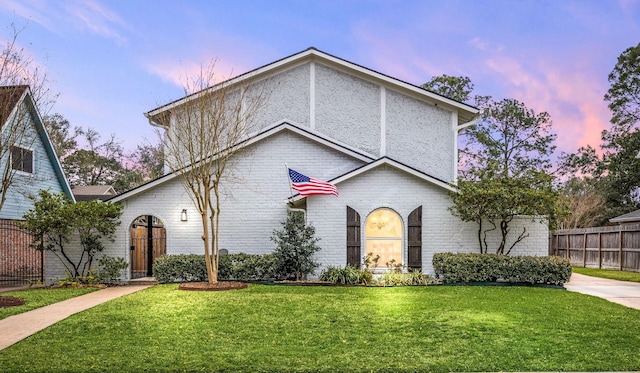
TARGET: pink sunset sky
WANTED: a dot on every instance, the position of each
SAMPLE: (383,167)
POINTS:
(111,61)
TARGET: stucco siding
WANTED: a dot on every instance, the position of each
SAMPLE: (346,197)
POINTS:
(388,187)
(286,97)
(348,109)
(420,135)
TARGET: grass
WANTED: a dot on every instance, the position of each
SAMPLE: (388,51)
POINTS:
(36,298)
(289,328)
(608,273)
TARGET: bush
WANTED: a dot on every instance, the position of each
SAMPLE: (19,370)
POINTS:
(192,268)
(296,244)
(180,268)
(398,278)
(109,269)
(470,267)
(248,267)
(348,275)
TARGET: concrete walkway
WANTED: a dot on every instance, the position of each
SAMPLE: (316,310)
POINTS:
(18,327)
(621,292)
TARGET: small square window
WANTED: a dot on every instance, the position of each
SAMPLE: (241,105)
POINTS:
(22,159)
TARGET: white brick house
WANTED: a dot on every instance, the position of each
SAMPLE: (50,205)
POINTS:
(390,148)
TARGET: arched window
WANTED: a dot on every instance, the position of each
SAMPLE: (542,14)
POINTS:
(383,233)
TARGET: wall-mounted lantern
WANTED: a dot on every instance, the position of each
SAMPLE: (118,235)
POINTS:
(183,215)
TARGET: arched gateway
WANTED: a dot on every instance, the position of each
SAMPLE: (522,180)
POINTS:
(148,240)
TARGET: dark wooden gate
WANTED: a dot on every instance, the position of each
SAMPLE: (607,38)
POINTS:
(414,252)
(148,235)
(354,254)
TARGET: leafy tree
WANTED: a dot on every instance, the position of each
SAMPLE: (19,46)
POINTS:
(62,136)
(149,161)
(296,245)
(100,164)
(615,175)
(54,221)
(624,94)
(507,158)
(201,136)
(458,88)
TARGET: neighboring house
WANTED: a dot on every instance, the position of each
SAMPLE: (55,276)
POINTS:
(30,154)
(27,158)
(390,147)
(632,217)
(92,192)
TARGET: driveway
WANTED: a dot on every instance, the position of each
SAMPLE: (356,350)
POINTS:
(622,292)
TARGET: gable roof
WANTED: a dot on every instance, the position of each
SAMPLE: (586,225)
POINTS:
(264,134)
(466,113)
(387,162)
(14,95)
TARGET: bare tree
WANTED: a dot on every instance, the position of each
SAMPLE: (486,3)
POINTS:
(201,136)
(24,94)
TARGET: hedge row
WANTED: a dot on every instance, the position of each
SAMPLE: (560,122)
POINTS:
(550,270)
(192,268)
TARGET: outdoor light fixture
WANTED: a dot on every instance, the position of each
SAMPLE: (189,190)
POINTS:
(183,215)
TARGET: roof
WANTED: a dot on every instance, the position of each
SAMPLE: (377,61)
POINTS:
(9,97)
(388,162)
(466,113)
(633,216)
(95,190)
(252,139)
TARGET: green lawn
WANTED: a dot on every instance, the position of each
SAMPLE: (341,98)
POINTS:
(608,273)
(298,328)
(36,298)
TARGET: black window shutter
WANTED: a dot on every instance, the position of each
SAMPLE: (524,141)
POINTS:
(353,237)
(415,239)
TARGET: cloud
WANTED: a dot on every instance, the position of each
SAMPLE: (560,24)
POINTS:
(33,10)
(97,18)
(570,93)
(181,73)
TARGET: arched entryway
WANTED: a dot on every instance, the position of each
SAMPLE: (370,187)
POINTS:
(383,235)
(148,241)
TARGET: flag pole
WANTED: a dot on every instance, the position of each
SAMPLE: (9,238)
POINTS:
(289,178)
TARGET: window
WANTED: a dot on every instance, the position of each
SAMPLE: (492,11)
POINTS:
(384,236)
(22,159)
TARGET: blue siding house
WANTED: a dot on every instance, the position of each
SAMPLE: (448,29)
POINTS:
(27,156)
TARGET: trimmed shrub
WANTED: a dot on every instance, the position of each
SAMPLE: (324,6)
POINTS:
(192,268)
(248,267)
(180,268)
(470,267)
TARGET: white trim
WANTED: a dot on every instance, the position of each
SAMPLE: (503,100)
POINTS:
(455,132)
(383,121)
(388,162)
(312,95)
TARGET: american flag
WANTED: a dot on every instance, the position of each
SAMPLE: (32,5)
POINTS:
(308,186)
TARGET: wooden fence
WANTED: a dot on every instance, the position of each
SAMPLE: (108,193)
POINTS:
(615,247)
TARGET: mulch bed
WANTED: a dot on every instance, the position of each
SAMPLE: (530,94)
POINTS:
(6,301)
(218,286)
